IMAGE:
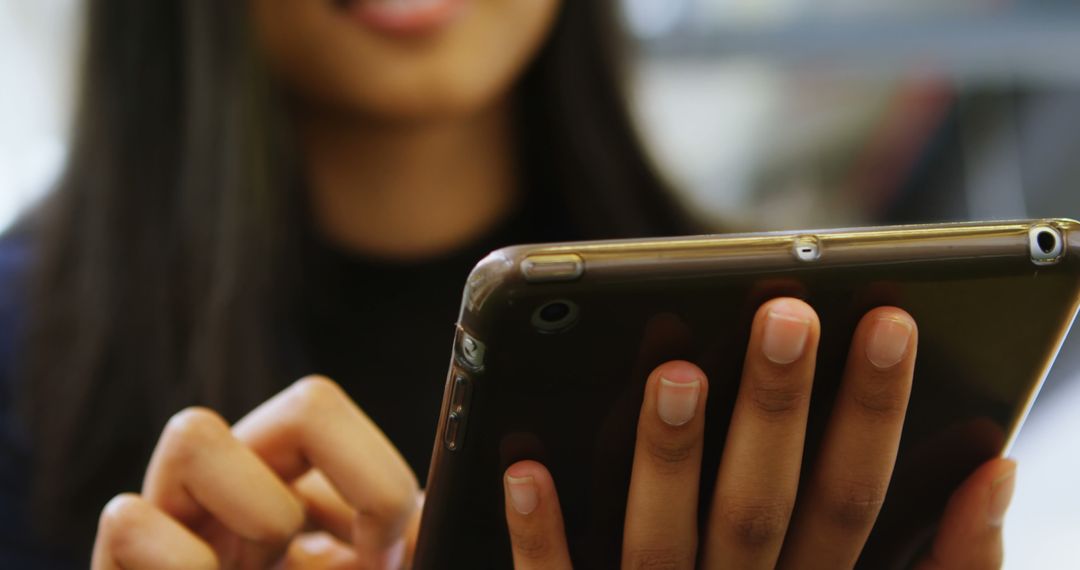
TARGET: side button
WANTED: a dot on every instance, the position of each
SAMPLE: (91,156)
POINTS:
(453,431)
(459,393)
(552,267)
(455,418)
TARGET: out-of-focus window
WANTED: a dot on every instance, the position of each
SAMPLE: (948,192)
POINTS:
(38,40)
(782,113)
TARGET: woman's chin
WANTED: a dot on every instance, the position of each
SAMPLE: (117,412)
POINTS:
(411,108)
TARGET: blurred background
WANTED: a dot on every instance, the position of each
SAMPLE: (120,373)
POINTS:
(783,114)
(786,114)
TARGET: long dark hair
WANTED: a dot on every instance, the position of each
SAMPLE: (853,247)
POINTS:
(163,255)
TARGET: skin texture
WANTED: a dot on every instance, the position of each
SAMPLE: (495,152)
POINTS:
(753,521)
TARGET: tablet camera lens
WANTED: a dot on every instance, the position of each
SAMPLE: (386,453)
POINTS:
(555,316)
(1047,242)
(554,312)
(1046,245)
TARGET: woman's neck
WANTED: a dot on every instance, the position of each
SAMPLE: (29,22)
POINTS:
(410,191)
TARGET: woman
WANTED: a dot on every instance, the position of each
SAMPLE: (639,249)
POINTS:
(263,190)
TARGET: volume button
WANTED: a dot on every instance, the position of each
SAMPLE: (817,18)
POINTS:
(458,393)
(552,267)
(455,419)
(452,435)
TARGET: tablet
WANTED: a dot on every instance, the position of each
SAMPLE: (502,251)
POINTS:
(555,341)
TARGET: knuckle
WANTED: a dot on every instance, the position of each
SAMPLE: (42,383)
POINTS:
(192,429)
(777,395)
(853,505)
(123,514)
(531,545)
(657,559)
(881,398)
(671,455)
(756,522)
(122,511)
(315,394)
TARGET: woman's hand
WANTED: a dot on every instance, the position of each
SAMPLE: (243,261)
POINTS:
(306,460)
(754,522)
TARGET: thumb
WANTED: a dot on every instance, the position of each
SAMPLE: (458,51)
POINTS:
(969,535)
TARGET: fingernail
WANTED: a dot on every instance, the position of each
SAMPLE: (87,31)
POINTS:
(1001,492)
(676,401)
(522,491)
(888,342)
(785,336)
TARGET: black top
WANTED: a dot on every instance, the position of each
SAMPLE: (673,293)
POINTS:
(384,329)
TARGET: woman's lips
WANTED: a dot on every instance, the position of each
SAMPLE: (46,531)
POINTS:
(403,16)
